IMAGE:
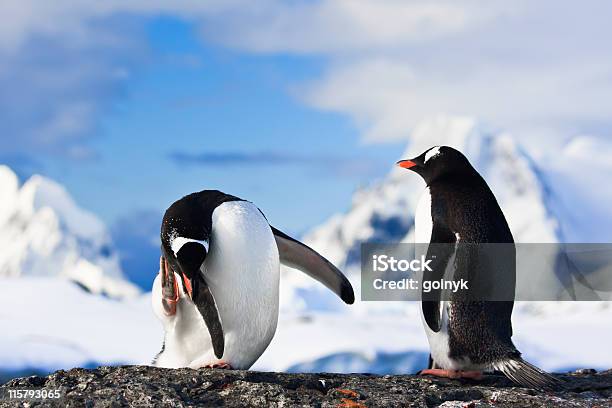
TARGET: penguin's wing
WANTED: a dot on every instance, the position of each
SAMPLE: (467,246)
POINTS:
(205,302)
(439,251)
(297,255)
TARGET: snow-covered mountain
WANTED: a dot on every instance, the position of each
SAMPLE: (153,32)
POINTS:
(44,233)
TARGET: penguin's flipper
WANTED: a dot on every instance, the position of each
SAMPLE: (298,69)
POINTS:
(297,255)
(205,302)
(439,252)
(526,374)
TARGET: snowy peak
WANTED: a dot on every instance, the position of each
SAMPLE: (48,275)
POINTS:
(39,192)
(43,232)
(9,187)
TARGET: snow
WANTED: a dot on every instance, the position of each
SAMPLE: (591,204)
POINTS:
(579,179)
(55,324)
(44,233)
(39,192)
(9,185)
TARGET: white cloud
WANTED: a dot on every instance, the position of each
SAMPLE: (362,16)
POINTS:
(387,96)
(339,27)
(537,67)
(515,64)
(63,64)
(587,149)
(72,19)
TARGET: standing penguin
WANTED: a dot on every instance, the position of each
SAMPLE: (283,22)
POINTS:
(217,290)
(467,334)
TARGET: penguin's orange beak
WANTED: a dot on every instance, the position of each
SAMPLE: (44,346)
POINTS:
(188,286)
(406,164)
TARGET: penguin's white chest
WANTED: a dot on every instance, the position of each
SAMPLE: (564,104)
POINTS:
(242,271)
(423,222)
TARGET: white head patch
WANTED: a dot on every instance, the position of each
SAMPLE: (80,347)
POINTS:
(431,153)
(178,242)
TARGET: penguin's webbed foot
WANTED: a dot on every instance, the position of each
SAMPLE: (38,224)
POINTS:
(454,374)
(222,365)
(170,291)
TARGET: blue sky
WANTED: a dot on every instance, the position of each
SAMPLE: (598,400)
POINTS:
(193,100)
(290,104)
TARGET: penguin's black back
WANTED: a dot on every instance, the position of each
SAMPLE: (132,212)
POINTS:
(464,207)
(191,216)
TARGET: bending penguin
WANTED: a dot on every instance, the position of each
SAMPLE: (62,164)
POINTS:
(467,334)
(217,290)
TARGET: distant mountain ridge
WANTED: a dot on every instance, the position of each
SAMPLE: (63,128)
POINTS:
(43,232)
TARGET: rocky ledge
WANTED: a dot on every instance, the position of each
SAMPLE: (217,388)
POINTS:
(148,386)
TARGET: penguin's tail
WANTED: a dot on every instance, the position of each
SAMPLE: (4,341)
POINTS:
(526,374)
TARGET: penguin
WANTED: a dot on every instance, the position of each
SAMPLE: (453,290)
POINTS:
(467,335)
(217,290)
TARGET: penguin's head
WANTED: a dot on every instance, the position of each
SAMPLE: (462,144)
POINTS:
(185,242)
(436,162)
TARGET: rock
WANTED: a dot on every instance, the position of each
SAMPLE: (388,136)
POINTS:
(140,386)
